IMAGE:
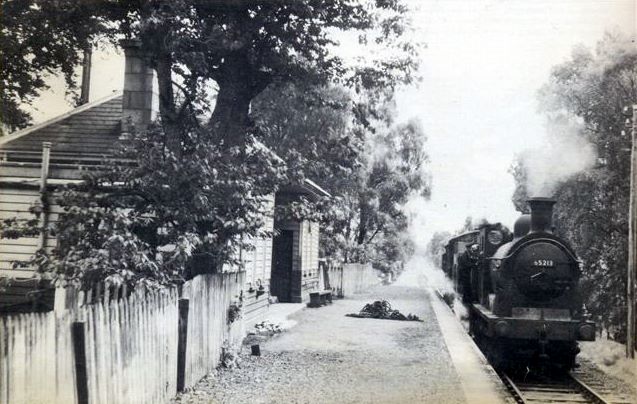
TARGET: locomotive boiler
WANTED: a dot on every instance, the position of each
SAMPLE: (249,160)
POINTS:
(522,290)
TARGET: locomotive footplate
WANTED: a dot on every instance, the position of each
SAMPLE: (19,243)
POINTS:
(530,326)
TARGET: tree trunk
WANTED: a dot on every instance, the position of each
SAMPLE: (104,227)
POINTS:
(364,219)
(167,111)
(230,118)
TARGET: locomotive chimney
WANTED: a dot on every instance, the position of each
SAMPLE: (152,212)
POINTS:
(541,214)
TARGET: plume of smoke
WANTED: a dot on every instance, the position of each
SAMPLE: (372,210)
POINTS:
(565,154)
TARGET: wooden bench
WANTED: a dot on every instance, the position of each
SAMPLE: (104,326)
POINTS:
(320,298)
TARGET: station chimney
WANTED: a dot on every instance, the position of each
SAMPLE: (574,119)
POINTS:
(141,101)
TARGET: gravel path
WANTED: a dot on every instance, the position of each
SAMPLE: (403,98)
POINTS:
(330,358)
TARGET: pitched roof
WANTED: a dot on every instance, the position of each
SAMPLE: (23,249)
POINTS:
(81,137)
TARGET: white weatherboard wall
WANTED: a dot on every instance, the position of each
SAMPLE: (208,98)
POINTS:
(310,246)
(17,203)
(257,264)
(257,261)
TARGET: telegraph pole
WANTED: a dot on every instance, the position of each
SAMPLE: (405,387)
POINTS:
(632,239)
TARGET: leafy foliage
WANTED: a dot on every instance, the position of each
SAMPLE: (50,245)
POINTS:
(236,47)
(436,247)
(369,164)
(183,197)
(152,218)
(39,38)
(592,207)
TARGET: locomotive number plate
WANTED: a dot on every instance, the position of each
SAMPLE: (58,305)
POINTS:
(543,263)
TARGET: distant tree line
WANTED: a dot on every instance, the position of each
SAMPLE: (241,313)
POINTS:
(233,76)
(436,245)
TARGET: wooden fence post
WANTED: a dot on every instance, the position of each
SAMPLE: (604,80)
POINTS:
(182,340)
(79,350)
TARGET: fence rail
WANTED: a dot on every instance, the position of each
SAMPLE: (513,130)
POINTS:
(118,351)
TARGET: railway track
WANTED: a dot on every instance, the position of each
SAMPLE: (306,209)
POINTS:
(610,395)
(576,387)
(566,389)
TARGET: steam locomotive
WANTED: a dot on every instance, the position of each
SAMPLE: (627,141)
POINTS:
(521,290)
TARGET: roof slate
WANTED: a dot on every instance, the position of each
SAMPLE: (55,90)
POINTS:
(84,136)
(90,132)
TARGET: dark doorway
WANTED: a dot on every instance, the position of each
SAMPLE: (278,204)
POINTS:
(282,265)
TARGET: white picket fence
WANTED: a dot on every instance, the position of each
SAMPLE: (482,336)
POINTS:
(131,348)
(130,345)
(36,359)
(208,328)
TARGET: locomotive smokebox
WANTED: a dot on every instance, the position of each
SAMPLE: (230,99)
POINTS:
(541,214)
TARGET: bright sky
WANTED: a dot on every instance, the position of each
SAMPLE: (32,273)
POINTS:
(484,62)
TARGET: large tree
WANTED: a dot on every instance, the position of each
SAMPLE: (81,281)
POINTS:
(38,39)
(237,47)
(593,87)
(199,179)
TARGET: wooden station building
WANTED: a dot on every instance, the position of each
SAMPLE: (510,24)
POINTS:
(36,161)
(295,262)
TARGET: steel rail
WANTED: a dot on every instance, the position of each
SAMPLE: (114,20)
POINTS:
(517,394)
(588,390)
(571,386)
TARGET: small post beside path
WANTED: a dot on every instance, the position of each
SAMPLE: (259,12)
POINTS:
(78,332)
(182,342)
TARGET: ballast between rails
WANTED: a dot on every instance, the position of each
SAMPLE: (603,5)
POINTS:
(569,389)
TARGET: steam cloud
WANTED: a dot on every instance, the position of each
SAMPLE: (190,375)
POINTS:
(565,154)
(421,272)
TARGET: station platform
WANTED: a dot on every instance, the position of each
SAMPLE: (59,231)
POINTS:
(328,357)
(480,383)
